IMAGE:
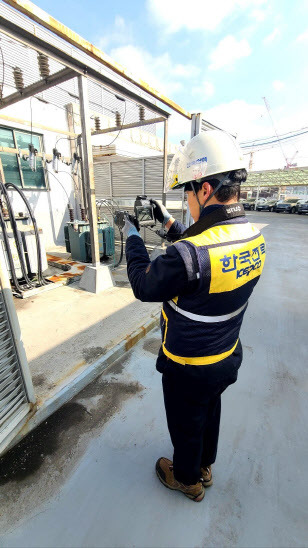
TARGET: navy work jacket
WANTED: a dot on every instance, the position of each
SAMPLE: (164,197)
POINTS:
(204,283)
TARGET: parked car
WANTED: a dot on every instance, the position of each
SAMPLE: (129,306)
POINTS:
(288,206)
(302,207)
(248,203)
(267,206)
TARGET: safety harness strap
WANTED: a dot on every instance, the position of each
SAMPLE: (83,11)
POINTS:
(207,319)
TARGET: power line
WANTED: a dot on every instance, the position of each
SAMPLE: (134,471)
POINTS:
(288,137)
(282,135)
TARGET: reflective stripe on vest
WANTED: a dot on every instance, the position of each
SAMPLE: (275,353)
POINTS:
(200,360)
(206,319)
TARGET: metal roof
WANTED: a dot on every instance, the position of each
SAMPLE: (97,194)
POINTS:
(278,177)
(101,99)
(77,48)
(18,27)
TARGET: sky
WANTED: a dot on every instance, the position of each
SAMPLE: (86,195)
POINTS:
(218,57)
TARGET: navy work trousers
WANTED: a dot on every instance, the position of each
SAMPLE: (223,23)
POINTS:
(192,401)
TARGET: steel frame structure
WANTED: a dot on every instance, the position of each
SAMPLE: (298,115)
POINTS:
(129,126)
(79,67)
(45,20)
(38,87)
(75,67)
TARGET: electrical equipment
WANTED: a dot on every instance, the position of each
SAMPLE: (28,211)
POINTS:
(141,113)
(67,239)
(56,156)
(43,63)
(144,214)
(118,122)
(29,245)
(26,237)
(144,217)
(71,212)
(14,254)
(32,157)
(18,79)
(97,123)
(144,211)
(105,242)
(75,163)
(121,215)
(80,243)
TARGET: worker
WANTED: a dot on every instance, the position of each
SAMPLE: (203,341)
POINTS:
(204,280)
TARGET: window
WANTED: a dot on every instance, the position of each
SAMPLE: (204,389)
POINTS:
(17,170)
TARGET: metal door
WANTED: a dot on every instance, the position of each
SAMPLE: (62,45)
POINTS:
(16,389)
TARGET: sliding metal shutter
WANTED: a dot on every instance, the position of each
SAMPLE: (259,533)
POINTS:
(12,390)
(127,178)
(154,178)
(102,173)
(16,389)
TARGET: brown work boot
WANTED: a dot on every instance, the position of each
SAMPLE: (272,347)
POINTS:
(206,476)
(164,471)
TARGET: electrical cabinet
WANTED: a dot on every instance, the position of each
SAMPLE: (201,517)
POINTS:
(29,245)
(80,242)
(27,242)
(14,253)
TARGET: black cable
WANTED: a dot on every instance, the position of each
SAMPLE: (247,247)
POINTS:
(17,286)
(2,85)
(109,205)
(16,236)
(122,250)
(68,139)
(40,277)
(75,188)
(50,173)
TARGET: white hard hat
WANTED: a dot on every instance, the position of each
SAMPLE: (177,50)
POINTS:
(209,153)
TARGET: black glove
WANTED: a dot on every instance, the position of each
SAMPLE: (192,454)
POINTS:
(160,212)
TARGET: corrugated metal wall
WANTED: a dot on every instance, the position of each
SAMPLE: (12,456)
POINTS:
(125,179)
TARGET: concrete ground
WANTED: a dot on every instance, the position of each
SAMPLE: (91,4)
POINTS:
(67,329)
(86,476)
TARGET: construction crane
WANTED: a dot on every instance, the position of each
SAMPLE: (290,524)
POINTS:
(251,160)
(288,162)
(274,127)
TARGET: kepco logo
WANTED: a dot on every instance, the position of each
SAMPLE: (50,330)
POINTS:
(196,162)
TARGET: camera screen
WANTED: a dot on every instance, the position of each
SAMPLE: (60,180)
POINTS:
(144,214)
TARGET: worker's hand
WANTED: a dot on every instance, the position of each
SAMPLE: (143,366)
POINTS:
(129,229)
(160,212)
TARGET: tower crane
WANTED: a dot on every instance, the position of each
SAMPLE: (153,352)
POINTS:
(288,163)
